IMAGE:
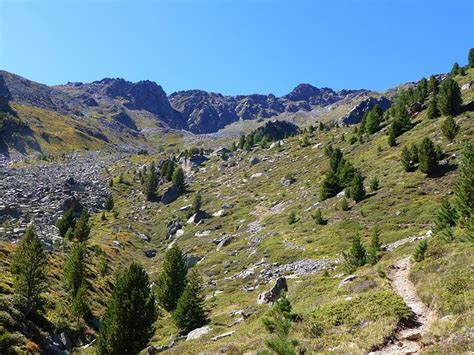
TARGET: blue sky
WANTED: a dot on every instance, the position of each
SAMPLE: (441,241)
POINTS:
(235,46)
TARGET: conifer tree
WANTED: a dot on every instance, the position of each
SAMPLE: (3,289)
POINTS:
(392,138)
(66,222)
(470,58)
(445,219)
(374,184)
(28,267)
(357,189)
(318,217)
(109,203)
(172,280)
(292,219)
(278,322)
(420,250)
(464,186)
(433,111)
(80,306)
(455,69)
(151,183)
(242,141)
(128,322)
(344,204)
(374,251)
(428,157)
(406,161)
(356,256)
(178,180)
(449,98)
(197,203)
(450,128)
(422,90)
(75,269)
(433,85)
(190,311)
(82,228)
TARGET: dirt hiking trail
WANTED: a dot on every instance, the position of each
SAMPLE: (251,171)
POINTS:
(407,340)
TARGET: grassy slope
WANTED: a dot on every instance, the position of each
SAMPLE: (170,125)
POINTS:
(368,310)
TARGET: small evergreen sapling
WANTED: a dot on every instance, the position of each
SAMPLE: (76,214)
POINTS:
(420,250)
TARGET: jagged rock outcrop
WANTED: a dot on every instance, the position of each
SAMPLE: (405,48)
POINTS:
(356,114)
(208,112)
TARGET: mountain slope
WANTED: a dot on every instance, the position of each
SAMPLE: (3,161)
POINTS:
(118,115)
(247,242)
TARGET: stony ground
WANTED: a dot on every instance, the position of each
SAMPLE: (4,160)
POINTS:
(39,193)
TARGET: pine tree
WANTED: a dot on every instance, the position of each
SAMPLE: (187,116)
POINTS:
(374,184)
(80,305)
(178,180)
(455,69)
(470,58)
(66,222)
(109,203)
(406,160)
(392,138)
(344,204)
(318,217)
(356,256)
(449,98)
(292,219)
(75,269)
(357,189)
(422,90)
(28,267)
(305,141)
(433,85)
(321,127)
(151,183)
(278,322)
(242,141)
(82,228)
(428,157)
(374,251)
(128,322)
(172,280)
(450,128)
(190,311)
(445,219)
(420,250)
(464,186)
(373,121)
(197,203)
(433,111)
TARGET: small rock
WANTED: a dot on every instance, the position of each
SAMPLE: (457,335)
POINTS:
(199,332)
(223,335)
(219,213)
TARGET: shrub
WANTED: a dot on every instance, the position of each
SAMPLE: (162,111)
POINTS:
(374,184)
(318,218)
(420,250)
(292,219)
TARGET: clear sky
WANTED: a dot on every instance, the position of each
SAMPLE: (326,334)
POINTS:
(236,46)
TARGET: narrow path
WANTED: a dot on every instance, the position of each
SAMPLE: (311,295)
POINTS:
(406,341)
